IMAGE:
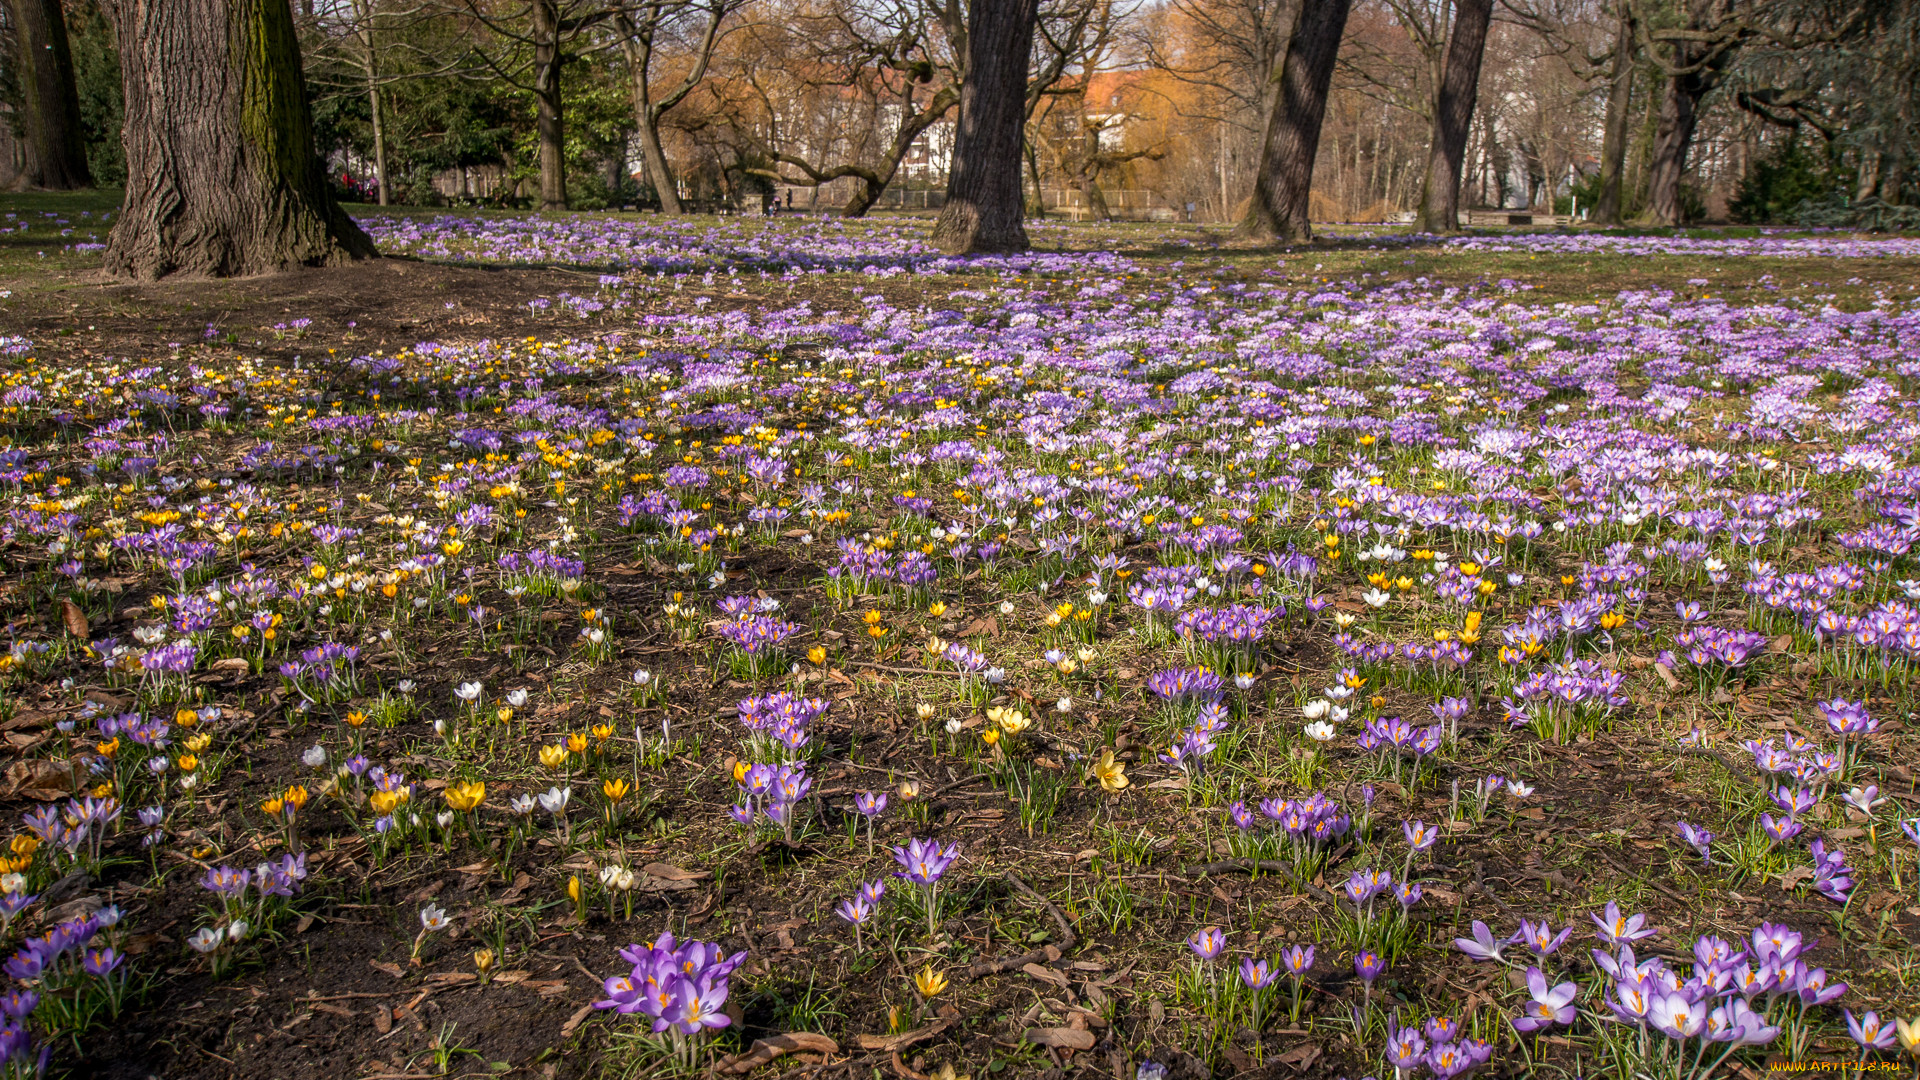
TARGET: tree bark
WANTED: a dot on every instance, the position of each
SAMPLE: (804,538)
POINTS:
(1297,103)
(379,144)
(655,159)
(1608,209)
(222,178)
(636,44)
(1679,113)
(549,115)
(363,16)
(56,143)
(1453,116)
(984,204)
(1867,183)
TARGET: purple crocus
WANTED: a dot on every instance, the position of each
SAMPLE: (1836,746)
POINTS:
(924,862)
(1368,965)
(1700,840)
(1483,945)
(1207,944)
(1615,929)
(1540,937)
(1869,1031)
(1545,1006)
(1257,974)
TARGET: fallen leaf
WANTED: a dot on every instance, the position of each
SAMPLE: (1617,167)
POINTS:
(73,618)
(1046,974)
(575,1020)
(669,872)
(896,1043)
(1300,1056)
(382,1019)
(765,1050)
(394,970)
(38,779)
(1061,1038)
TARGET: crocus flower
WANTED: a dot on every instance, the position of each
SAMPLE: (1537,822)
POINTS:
(1545,1007)
(924,862)
(1540,937)
(1256,974)
(1869,1031)
(1737,1023)
(1483,945)
(1405,1048)
(1677,1017)
(1420,836)
(697,1008)
(1368,965)
(1700,840)
(1616,930)
(1208,943)
(1297,960)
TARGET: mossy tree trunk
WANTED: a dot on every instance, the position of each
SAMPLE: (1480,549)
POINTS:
(222,179)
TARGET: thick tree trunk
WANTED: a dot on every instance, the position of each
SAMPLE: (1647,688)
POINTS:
(1453,116)
(1297,103)
(983,209)
(222,178)
(1679,113)
(1608,210)
(549,117)
(56,143)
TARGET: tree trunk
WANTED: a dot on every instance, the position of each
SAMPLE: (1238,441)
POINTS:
(1453,116)
(56,144)
(379,145)
(864,195)
(549,118)
(646,119)
(1613,145)
(983,208)
(1097,208)
(1039,208)
(1868,181)
(363,14)
(1893,169)
(1679,113)
(222,178)
(1297,105)
(655,159)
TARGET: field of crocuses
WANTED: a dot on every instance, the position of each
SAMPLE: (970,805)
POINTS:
(775,649)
